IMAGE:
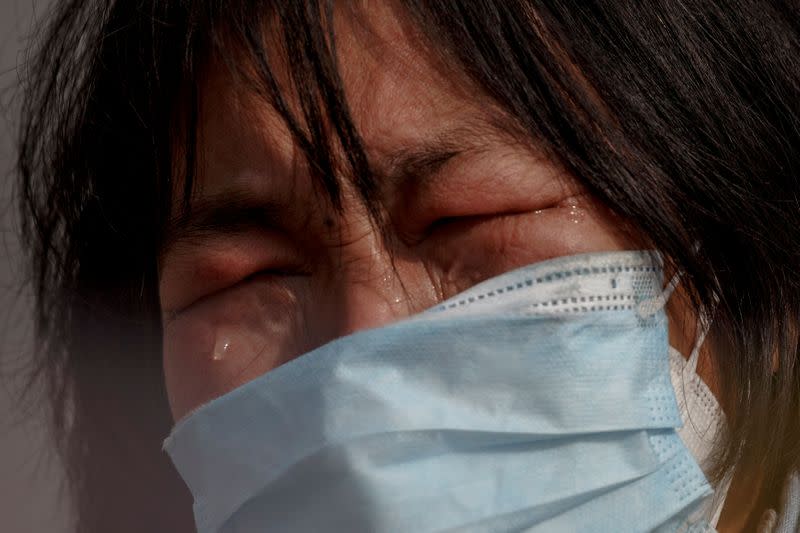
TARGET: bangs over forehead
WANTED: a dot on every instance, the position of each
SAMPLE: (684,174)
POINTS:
(290,55)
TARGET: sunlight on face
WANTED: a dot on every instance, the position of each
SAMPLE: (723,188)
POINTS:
(266,270)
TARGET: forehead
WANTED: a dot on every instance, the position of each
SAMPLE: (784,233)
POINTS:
(397,87)
(398,94)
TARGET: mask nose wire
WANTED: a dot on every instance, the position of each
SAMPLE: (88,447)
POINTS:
(649,307)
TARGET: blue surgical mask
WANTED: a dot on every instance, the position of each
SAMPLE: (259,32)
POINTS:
(539,400)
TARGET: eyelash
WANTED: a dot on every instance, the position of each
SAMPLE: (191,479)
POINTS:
(446,223)
(273,272)
(259,275)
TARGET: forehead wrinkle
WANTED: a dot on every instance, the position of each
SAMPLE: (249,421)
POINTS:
(404,107)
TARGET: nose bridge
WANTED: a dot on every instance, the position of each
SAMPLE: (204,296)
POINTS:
(370,293)
(374,287)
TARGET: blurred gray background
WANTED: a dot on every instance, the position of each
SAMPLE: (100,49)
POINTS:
(30,477)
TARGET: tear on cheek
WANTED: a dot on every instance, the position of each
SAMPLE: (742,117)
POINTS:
(224,344)
(187,379)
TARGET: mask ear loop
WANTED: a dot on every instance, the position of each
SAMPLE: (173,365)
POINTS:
(704,321)
(651,306)
(703,326)
(647,308)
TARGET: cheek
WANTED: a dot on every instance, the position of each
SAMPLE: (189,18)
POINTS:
(229,339)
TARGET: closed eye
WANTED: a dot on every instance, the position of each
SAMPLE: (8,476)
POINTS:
(271,276)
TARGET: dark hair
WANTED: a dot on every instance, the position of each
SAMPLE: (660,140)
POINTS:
(682,117)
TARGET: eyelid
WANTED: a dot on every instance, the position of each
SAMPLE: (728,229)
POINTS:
(256,277)
(191,271)
(478,187)
(446,222)
(449,221)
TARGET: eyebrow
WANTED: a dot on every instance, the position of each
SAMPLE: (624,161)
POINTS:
(424,160)
(232,212)
(417,163)
(224,213)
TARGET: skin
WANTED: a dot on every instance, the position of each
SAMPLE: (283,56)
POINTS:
(240,302)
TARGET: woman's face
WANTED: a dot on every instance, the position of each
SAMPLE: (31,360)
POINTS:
(265,270)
